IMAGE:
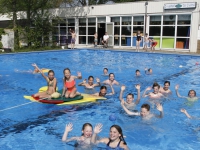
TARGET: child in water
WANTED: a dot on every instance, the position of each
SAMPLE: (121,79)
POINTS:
(137,73)
(103,91)
(69,84)
(90,84)
(148,71)
(155,94)
(51,83)
(144,111)
(191,94)
(83,141)
(129,104)
(165,90)
(105,71)
(111,80)
(114,142)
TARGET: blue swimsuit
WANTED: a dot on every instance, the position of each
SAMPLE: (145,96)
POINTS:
(110,148)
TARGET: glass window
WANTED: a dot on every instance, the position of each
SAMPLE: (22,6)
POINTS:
(63,30)
(63,40)
(101,19)
(138,20)
(82,39)
(116,20)
(183,31)
(125,41)
(91,30)
(136,29)
(91,21)
(91,40)
(126,20)
(184,19)
(126,30)
(168,31)
(116,39)
(154,30)
(71,22)
(169,19)
(182,43)
(82,30)
(155,20)
(167,42)
(82,22)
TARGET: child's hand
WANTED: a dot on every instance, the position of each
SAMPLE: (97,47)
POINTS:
(79,74)
(176,87)
(137,86)
(97,79)
(123,87)
(159,107)
(69,127)
(34,65)
(98,128)
(183,110)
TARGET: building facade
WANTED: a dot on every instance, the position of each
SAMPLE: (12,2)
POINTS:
(174,24)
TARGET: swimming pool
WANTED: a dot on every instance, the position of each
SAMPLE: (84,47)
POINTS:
(27,125)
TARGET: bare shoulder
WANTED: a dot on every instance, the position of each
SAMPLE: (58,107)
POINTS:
(124,146)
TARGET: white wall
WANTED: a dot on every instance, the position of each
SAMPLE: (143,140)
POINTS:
(8,39)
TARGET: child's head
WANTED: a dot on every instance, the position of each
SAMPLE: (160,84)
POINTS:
(156,87)
(105,70)
(111,76)
(90,80)
(116,132)
(192,93)
(129,98)
(51,74)
(138,32)
(150,70)
(137,72)
(67,73)
(103,91)
(146,34)
(166,85)
(145,110)
(87,130)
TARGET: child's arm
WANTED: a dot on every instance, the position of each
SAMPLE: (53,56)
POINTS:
(159,108)
(68,128)
(147,89)
(64,89)
(128,111)
(138,94)
(121,92)
(186,113)
(177,93)
(79,76)
(98,82)
(34,65)
(82,83)
(97,129)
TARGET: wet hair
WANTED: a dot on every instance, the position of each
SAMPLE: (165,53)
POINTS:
(119,129)
(101,88)
(147,106)
(166,82)
(156,84)
(149,69)
(65,70)
(105,69)
(131,94)
(90,77)
(191,91)
(50,71)
(146,33)
(85,125)
(111,74)
(137,70)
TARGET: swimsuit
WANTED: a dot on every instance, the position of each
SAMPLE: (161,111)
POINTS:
(110,148)
(95,40)
(50,85)
(154,44)
(138,37)
(70,85)
(73,40)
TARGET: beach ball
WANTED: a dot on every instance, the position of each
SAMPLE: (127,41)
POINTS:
(112,117)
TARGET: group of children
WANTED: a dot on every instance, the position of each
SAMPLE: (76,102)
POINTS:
(116,141)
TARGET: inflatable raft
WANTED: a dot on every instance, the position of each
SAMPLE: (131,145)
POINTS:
(83,98)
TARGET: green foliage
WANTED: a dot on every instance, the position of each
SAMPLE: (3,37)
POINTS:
(1,45)
(2,32)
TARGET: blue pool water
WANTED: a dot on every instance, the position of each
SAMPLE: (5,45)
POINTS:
(35,126)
